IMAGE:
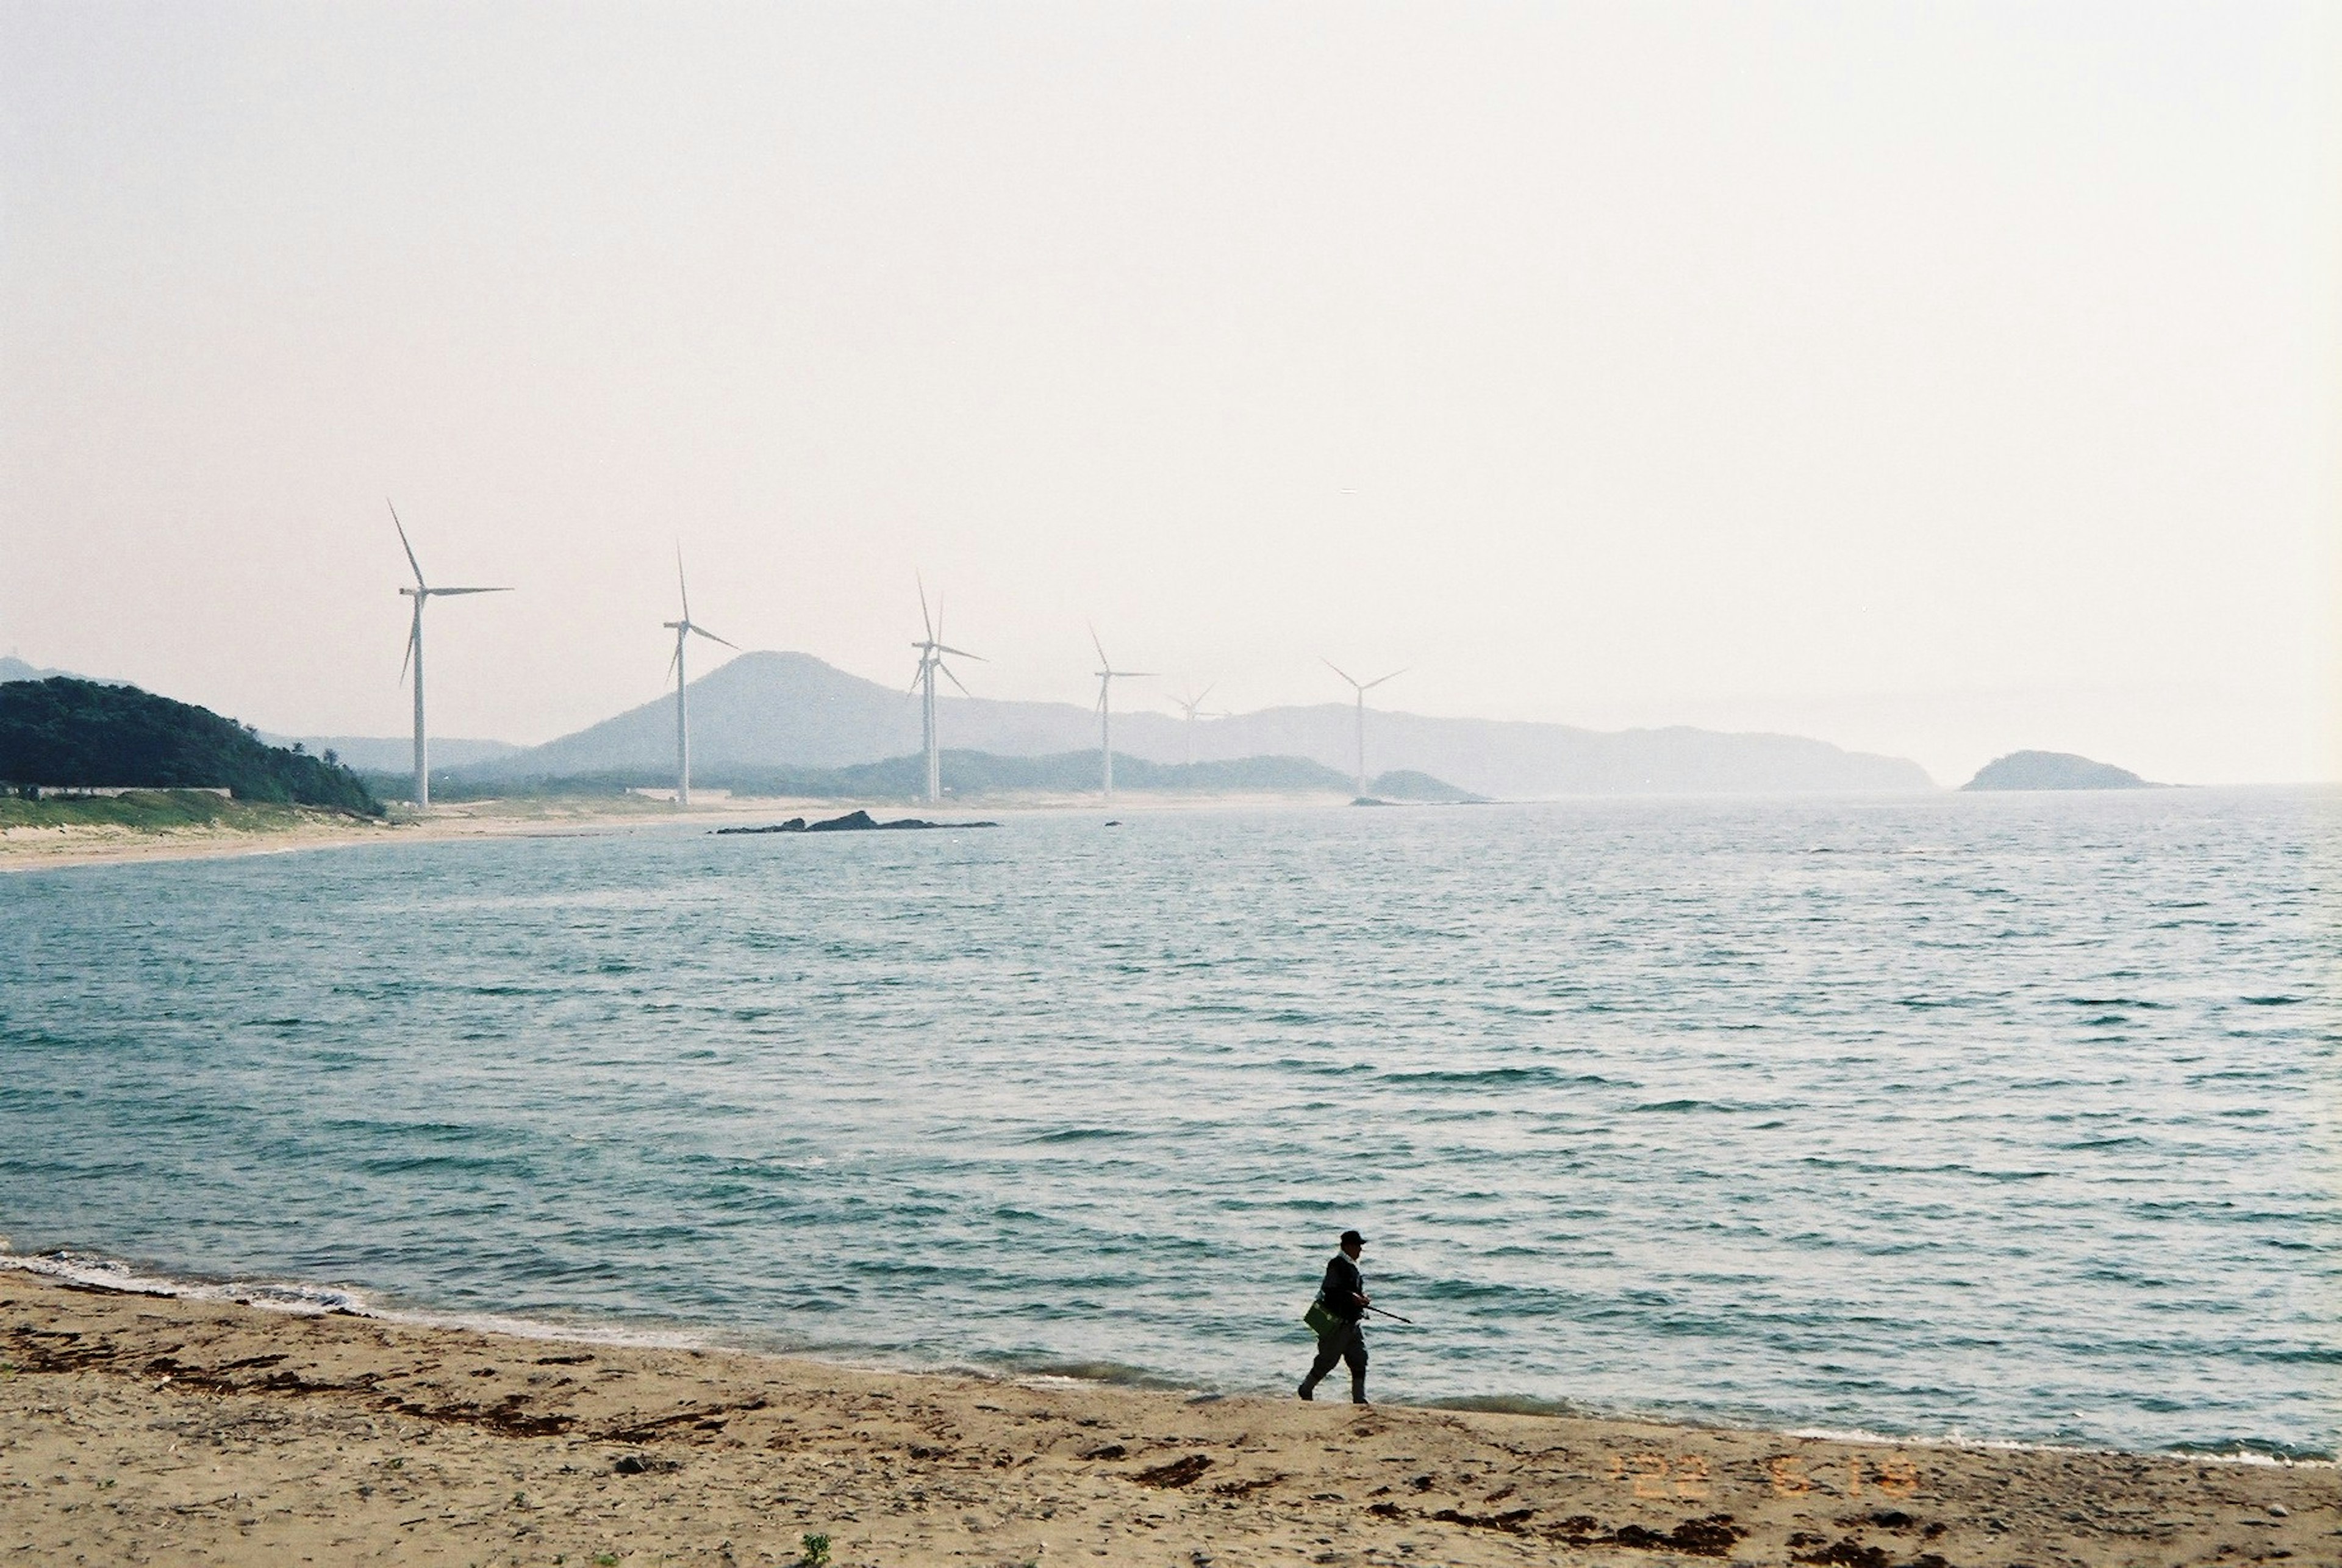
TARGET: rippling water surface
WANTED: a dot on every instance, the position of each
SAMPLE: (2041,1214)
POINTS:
(2009,1115)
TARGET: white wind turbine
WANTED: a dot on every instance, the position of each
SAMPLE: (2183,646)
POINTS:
(1362,690)
(419,593)
(1107,675)
(931,659)
(1189,706)
(683,631)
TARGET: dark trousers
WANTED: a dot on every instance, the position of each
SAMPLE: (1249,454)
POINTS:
(1347,1342)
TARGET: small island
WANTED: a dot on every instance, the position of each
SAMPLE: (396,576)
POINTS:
(2053,770)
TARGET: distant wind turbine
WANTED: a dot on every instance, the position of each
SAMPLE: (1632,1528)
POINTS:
(684,630)
(1107,675)
(931,659)
(419,593)
(1362,691)
(1189,706)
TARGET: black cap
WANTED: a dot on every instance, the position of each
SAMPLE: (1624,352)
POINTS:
(1352,1239)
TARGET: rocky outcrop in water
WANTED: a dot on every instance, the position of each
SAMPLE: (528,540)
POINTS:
(856,821)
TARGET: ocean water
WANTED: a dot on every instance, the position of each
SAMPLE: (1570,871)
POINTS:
(2006,1117)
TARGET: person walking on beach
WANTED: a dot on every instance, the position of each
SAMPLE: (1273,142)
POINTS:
(1338,1317)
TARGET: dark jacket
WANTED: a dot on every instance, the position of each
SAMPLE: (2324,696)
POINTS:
(1342,1287)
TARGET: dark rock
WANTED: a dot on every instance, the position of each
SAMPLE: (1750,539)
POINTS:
(1178,1473)
(856,821)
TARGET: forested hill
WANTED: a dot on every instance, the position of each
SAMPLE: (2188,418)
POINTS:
(64,731)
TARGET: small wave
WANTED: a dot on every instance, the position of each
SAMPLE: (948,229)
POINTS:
(1114,1373)
(301,1300)
(112,1275)
(1513,1404)
(1493,1077)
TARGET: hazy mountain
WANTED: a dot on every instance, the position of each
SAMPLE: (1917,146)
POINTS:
(780,712)
(13,668)
(2053,770)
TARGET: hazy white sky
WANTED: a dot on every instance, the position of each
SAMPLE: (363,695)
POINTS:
(1937,380)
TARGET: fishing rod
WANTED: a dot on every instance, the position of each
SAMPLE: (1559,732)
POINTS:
(1382,1313)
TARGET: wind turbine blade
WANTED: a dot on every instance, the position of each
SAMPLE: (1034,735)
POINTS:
(675,660)
(408,657)
(1102,661)
(919,674)
(1394,675)
(1337,670)
(924,619)
(954,680)
(1137,674)
(962,653)
(681,588)
(1206,693)
(439,593)
(402,544)
(713,637)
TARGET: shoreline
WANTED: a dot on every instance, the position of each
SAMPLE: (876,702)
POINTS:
(106,1276)
(293,1300)
(204,1428)
(47,848)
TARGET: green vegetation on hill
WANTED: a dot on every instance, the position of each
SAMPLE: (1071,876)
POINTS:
(1406,783)
(66,732)
(1065,773)
(966,774)
(156,811)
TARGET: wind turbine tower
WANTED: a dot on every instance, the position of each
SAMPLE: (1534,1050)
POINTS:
(1107,675)
(1188,705)
(421,592)
(1362,691)
(931,659)
(684,630)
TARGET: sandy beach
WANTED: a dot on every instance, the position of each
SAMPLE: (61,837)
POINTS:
(27,848)
(138,1428)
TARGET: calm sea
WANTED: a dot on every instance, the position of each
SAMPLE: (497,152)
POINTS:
(2006,1117)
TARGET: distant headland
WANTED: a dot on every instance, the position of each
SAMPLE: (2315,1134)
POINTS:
(2054,770)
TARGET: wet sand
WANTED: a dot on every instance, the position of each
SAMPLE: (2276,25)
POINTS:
(159,1429)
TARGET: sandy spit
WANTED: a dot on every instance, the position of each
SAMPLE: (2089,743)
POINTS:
(160,1429)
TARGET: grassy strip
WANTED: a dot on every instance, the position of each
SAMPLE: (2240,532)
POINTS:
(160,811)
